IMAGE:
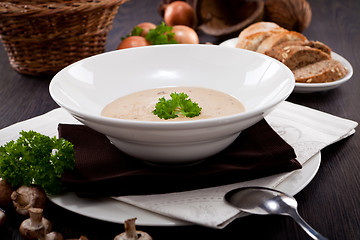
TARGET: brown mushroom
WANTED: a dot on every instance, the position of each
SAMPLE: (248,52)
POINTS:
(2,217)
(53,236)
(131,233)
(81,238)
(36,226)
(5,193)
(26,197)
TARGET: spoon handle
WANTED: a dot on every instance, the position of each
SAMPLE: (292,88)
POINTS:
(308,229)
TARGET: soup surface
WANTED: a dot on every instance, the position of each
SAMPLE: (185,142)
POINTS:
(139,105)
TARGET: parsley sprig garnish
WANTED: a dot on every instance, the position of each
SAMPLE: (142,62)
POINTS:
(179,104)
(36,159)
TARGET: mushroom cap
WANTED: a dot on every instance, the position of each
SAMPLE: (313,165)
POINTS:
(5,193)
(2,218)
(140,235)
(131,233)
(26,197)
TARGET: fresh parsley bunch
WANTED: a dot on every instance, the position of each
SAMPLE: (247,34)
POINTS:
(36,159)
(179,104)
(162,34)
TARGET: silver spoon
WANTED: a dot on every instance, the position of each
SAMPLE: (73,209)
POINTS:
(262,201)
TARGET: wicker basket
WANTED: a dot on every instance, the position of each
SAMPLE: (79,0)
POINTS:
(42,37)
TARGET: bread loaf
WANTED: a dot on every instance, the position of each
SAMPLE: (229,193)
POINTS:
(320,72)
(310,61)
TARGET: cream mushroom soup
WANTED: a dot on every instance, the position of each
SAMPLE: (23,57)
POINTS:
(139,105)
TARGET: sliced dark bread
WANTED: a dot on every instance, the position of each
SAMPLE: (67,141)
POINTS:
(297,56)
(314,44)
(320,72)
(278,38)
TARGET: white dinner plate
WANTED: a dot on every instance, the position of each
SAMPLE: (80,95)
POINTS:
(311,87)
(108,209)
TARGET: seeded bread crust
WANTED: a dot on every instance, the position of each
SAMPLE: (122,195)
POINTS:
(320,72)
(295,57)
(314,44)
(278,38)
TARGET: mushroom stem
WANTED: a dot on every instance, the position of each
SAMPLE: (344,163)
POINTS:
(131,233)
(35,227)
(36,216)
(130,228)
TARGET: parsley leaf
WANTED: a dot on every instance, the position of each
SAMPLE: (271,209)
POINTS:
(135,32)
(179,104)
(36,159)
(162,34)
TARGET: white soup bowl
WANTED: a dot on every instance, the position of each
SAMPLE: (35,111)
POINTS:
(84,88)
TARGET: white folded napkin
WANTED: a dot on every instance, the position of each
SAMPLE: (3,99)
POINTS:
(306,130)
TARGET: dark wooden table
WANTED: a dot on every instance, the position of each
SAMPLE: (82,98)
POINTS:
(330,203)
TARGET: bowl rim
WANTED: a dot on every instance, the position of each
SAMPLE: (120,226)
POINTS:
(247,114)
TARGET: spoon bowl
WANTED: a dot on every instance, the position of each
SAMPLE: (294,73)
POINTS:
(264,201)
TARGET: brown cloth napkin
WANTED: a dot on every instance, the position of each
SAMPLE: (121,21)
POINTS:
(103,170)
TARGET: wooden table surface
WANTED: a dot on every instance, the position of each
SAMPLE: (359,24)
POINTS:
(331,201)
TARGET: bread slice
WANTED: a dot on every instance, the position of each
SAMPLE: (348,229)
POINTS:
(319,45)
(253,41)
(310,61)
(257,27)
(251,37)
(295,57)
(314,44)
(278,38)
(320,72)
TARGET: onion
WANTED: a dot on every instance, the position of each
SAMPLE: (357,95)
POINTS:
(185,34)
(146,26)
(133,41)
(179,13)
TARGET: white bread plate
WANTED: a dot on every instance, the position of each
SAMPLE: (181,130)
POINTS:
(311,87)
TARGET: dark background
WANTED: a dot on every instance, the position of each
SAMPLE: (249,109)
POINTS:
(331,201)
